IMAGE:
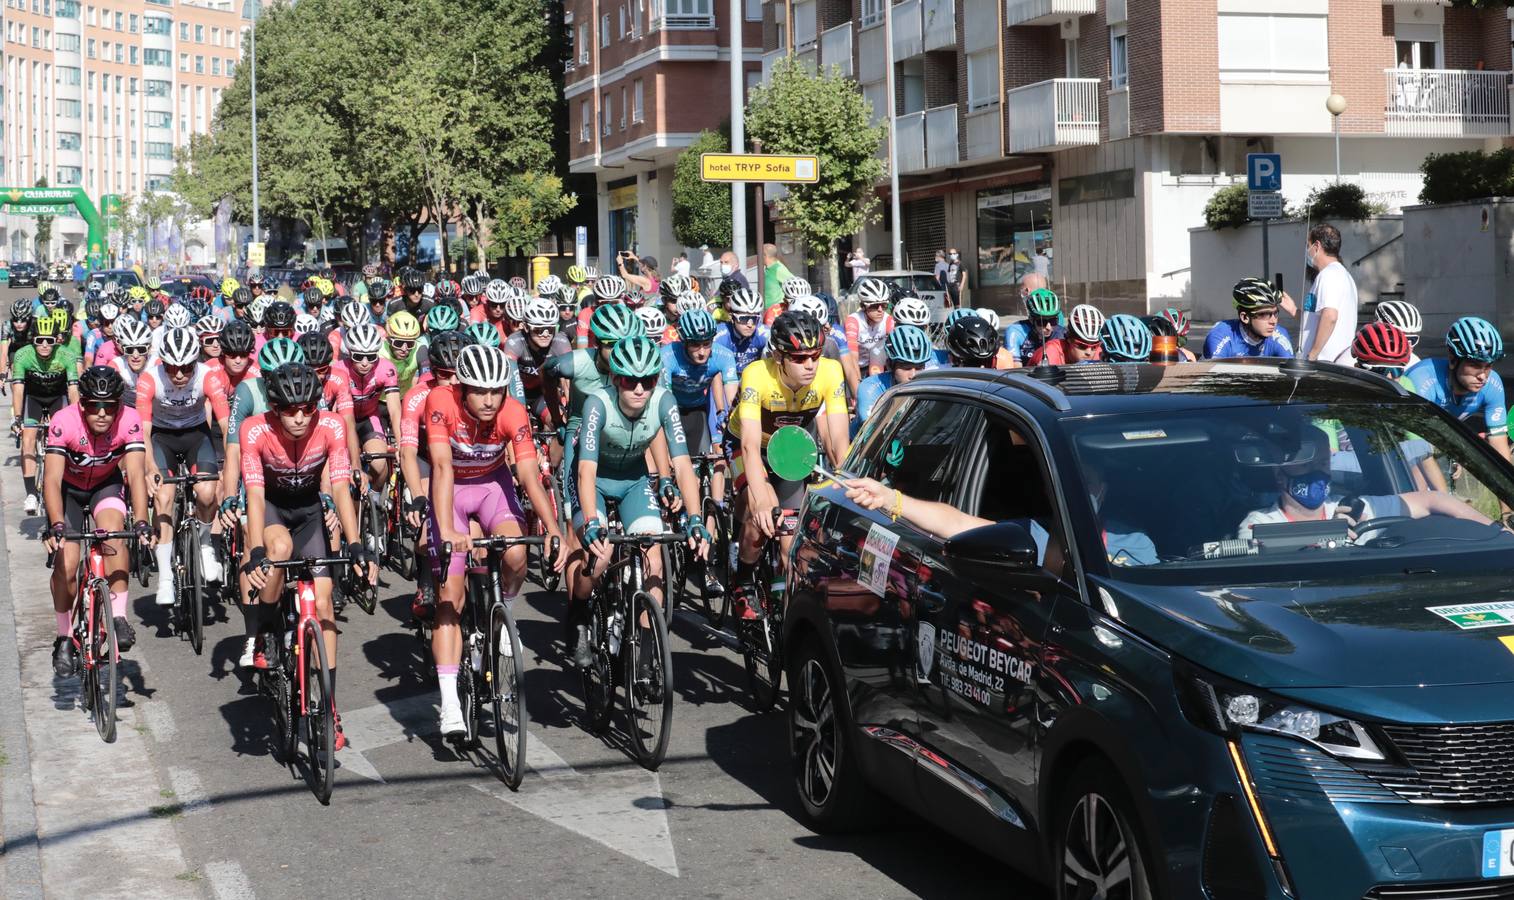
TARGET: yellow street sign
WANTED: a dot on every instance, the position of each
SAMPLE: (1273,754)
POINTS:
(759,167)
(255,257)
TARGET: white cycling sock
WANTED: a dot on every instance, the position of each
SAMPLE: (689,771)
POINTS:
(164,552)
(449,691)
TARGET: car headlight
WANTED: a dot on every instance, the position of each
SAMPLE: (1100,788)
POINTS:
(1228,708)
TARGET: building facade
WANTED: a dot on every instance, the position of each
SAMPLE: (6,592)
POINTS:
(99,95)
(1091,133)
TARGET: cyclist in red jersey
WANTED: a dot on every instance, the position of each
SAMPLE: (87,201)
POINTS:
(470,427)
(90,444)
(287,453)
(415,457)
(336,394)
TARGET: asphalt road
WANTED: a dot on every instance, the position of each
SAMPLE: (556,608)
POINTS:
(190,801)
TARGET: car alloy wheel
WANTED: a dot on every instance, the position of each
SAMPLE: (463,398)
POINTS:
(1099,858)
(812,718)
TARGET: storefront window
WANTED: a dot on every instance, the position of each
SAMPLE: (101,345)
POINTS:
(1014,234)
(622,217)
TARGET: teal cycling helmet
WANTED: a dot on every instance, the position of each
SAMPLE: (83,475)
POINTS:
(613,322)
(958,315)
(696,325)
(636,356)
(908,344)
(1474,339)
(442,318)
(1125,339)
(483,333)
(278,352)
(1043,304)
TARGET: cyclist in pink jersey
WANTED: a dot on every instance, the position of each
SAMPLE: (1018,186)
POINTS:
(373,383)
(415,456)
(89,444)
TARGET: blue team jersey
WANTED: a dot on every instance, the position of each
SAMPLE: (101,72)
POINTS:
(1023,341)
(690,383)
(93,341)
(1432,380)
(868,392)
(1228,340)
(745,351)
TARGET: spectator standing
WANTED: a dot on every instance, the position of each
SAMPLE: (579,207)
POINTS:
(731,274)
(955,279)
(774,274)
(940,270)
(858,264)
(1329,313)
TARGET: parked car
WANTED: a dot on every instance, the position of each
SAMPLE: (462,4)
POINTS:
(125,278)
(1126,665)
(25,274)
(923,284)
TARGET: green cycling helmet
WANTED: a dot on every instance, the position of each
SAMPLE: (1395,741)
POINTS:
(442,318)
(636,356)
(696,326)
(613,322)
(908,344)
(1043,304)
(483,333)
(278,352)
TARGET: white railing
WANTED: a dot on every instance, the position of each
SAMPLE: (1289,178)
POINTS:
(910,129)
(836,48)
(941,136)
(804,24)
(909,39)
(983,130)
(1063,112)
(876,95)
(940,24)
(810,59)
(1044,12)
(770,59)
(1447,103)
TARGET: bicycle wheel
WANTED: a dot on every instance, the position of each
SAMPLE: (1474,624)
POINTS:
(194,591)
(319,720)
(648,701)
(716,605)
(140,562)
(675,563)
(507,673)
(277,686)
(759,647)
(598,677)
(102,673)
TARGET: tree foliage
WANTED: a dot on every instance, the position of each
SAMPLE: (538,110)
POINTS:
(1227,208)
(701,209)
(411,110)
(824,115)
(1468,175)
(1343,201)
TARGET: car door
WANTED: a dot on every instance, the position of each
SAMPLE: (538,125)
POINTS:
(980,635)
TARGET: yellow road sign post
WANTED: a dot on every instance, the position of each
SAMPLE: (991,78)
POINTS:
(759,167)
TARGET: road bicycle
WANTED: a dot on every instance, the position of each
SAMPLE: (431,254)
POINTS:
(93,633)
(493,670)
(760,638)
(716,604)
(382,523)
(188,616)
(298,677)
(541,568)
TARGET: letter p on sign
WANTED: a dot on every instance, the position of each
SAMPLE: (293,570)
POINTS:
(1264,171)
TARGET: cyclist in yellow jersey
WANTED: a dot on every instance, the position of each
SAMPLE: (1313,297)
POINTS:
(792,386)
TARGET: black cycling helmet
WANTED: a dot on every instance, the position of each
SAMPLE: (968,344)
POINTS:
(1160,326)
(241,296)
(92,309)
(154,309)
(445,348)
(279,315)
(21,310)
(292,384)
(317,349)
(237,338)
(796,332)
(50,297)
(312,297)
(101,383)
(412,280)
(972,341)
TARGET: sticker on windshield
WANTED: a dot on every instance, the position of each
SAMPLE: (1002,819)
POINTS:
(1477,615)
(1151,434)
(877,553)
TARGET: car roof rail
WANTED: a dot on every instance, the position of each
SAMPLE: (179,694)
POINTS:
(1300,366)
(1044,390)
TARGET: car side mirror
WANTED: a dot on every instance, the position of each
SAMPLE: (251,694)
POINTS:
(1003,545)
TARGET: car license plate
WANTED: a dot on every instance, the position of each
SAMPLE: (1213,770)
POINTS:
(1498,853)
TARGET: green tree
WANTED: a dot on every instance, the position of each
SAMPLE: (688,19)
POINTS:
(523,206)
(145,214)
(823,115)
(701,209)
(44,229)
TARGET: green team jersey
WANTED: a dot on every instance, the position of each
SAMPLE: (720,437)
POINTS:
(580,368)
(618,443)
(406,368)
(251,399)
(48,377)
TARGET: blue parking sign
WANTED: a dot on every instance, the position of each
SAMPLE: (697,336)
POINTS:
(1264,171)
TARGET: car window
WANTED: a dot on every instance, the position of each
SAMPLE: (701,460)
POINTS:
(1006,481)
(912,447)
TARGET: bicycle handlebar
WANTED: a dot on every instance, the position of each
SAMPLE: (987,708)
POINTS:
(370,457)
(191,478)
(502,542)
(646,539)
(86,536)
(308,561)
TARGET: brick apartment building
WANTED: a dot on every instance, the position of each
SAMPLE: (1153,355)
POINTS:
(99,93)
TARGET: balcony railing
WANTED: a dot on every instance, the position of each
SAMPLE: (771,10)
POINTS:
(910,132)
(909,36)
(927,139)
(983,129)
(1044,12)
(836,48)
(1447,103)
(770,59)
(939,24)
(1049,115)
(804,24)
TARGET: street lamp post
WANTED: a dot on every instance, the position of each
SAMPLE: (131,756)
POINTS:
(252,48)
(1336,104)
(893,134)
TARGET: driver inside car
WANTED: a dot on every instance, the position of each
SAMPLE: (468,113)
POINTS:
(1303,485)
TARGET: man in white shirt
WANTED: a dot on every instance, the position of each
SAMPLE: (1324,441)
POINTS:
(1329,313)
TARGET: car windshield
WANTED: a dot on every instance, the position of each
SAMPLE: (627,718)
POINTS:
(1267,485)
(916,283)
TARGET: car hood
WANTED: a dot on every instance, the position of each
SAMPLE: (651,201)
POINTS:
(1329,633)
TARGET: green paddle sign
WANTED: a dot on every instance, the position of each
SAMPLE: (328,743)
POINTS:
(794,456)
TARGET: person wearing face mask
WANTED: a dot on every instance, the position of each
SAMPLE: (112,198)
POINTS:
(1329,315)
(731,276)
(1303,484)
(956,279)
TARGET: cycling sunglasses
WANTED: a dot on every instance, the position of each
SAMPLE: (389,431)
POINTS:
(1042,321)
(179,370)
(746,320)
(134,351)
(628,383)
(547,331)
(309,409)
(879,305)
(209,340)
(363,357)
(1085,345)
(44,341)
(96,407)
(803,357)
(908,366)
(441,373)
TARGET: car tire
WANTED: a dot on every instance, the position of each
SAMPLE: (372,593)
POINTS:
(832,788)
(1102,854)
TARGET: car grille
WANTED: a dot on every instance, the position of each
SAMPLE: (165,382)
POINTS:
(1502,889)
(1451,764)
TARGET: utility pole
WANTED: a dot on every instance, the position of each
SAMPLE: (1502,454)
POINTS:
(738,134)
(252,35)
(893,134)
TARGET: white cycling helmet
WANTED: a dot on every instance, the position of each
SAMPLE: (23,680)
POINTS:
(744,302)
(871,290)
(1085,322)
(541,313)
(812,305)
(515,305)
(549,286)
(912,311)
(364,338)
(989,316)
(497,291)
(132,333)
(609,287)
(480,366)
(181,346)
(794,288)
(355,314)
(257,308)
(211,324)
(428,291)
(305,323)
(176,316)
(109,311)
(652,320)
(1402,315)
(689,301)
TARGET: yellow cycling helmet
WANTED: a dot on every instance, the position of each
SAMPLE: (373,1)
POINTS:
(577,275)
(325,286)
(403,326)
(138,292)
(52,325)
(229,285)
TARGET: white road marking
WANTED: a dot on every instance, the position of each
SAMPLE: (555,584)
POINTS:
(188,792)
(381,725)
(159,720)
(228,881)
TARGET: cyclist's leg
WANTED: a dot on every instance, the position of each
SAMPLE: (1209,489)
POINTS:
(446,637)
(166,456)
(371,439)
(66,561)
(307,536)
(33,412)
(640,513)
(206,499)
(500,514)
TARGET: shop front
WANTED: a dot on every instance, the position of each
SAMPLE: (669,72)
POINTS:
(1014,236)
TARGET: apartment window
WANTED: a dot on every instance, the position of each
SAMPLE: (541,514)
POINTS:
(90,77)
(157,58)
(586,126)
(68,43)
(1119,57)
(872,12)
(215,36)
(68,109)
(230,65)
(215,65)
(620,32)
(67,9)
(159,150)
(583,44)
(156,87)
(199,34)
(982,79)
(133,54)
(36,37)
(157,25)
(159,119)
(570,34)
(91,15)
(91,113)
(1273,48)
(118,84)
(200,65)
(183,62)
(67,74)
(753,10)
(120,53)
(604,30)
(183,31)
(683,13)
(133,91)
(622,109)
(637,92)
(157,183)
(69,140)
(131,23)
(604,115)
(69,175)
(120,19)
(638,14)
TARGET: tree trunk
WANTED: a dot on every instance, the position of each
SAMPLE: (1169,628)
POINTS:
(832,271)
